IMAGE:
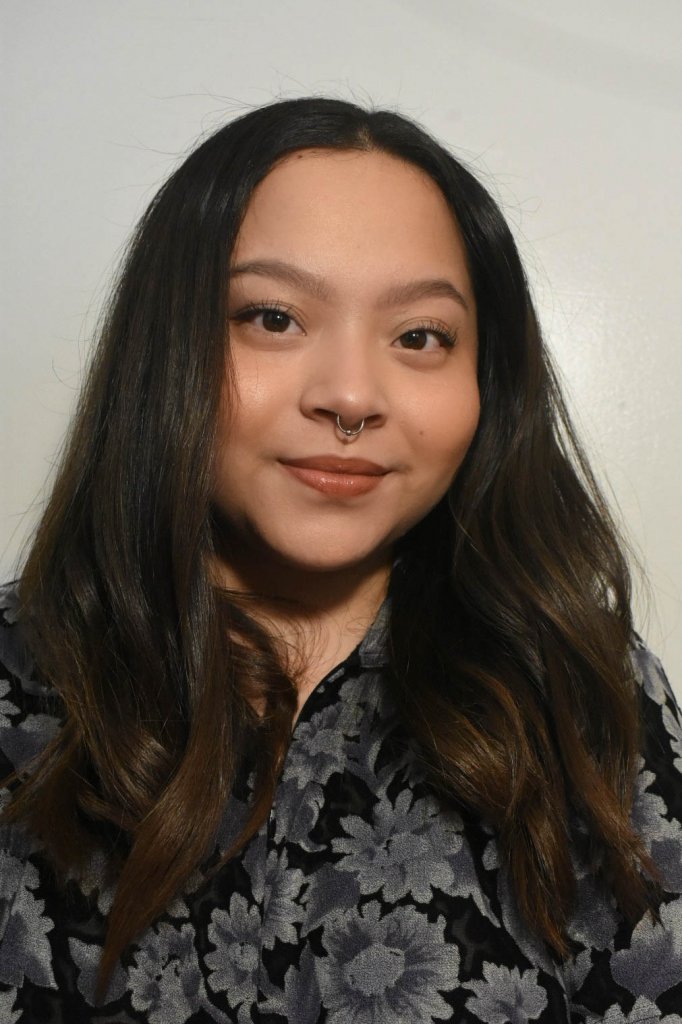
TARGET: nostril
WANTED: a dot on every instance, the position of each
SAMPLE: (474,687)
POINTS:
(349,431)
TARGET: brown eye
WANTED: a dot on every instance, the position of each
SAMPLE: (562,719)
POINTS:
(427,338)
(415,339)
(267,317)
(275,321)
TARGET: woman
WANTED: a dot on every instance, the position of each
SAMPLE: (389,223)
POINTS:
(324,701)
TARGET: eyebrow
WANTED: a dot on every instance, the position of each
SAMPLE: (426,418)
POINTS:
(408,291)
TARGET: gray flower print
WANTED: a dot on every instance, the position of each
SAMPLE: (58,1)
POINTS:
(165,980)
(7,1014)
(296,812)
(575,970)
(594,920)
(15,656)
(9,601)
(649,671)
(235,934)
(386,969)
(93,885)
(649,810)
(25,949)
(366,693)
(299,1001)
(653,962)
(7,708)
(506,996)
(406,849)
(643,1012)
(28,739)
(253,861)
(672,727)
(282,912)
(329,894)
(232,823)
(87,957)
(317,749)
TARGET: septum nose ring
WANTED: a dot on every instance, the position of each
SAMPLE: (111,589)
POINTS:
(349,433)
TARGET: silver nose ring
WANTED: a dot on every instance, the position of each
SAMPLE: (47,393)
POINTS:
(346,431)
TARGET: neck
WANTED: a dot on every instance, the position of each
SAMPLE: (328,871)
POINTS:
(318,617)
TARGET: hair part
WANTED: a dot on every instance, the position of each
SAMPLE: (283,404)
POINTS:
(510,616)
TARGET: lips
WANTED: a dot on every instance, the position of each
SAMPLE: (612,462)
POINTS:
(336,464)
(336,477)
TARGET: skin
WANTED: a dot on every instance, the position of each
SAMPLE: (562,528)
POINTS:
(360,223)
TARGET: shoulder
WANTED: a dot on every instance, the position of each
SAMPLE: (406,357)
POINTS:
(638,965)
(661,765)
(30,711)
(657,808)
(651,676)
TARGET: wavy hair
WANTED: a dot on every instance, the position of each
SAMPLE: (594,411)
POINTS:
(510,624)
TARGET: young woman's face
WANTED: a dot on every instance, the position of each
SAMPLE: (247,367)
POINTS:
(349,297)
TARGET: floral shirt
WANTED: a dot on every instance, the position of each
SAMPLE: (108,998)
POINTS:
(361,900)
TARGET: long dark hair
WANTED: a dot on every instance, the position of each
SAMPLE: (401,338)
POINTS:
(510,618)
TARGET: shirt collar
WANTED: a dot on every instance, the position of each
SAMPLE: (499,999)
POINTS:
(373,649)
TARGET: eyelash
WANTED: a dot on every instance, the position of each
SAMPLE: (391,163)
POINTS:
(447,338)
(262,307)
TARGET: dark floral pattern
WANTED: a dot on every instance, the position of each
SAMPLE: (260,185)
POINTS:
(507,995)
(385,968)
(361,900)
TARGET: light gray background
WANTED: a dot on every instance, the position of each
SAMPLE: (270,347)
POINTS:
(570,113)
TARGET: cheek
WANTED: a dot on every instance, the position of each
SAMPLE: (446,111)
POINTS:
(264,388)
(446,435)
(231,447)
(467,423)
(222,489)
(249,425)
(249,405)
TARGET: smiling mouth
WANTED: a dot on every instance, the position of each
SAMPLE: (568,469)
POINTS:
(336,477)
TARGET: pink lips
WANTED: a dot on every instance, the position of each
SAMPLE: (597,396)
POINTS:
(337,477)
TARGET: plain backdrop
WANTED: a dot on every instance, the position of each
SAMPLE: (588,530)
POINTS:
(569,113)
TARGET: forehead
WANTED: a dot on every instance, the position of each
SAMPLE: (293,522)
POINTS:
(349,209)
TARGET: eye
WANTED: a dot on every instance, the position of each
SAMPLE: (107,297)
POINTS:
(275,320)
(427,338)
(268,317)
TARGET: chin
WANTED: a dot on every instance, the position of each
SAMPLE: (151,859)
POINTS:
(326,563)
(321,557)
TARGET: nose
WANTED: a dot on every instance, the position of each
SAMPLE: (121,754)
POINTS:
(344,379)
